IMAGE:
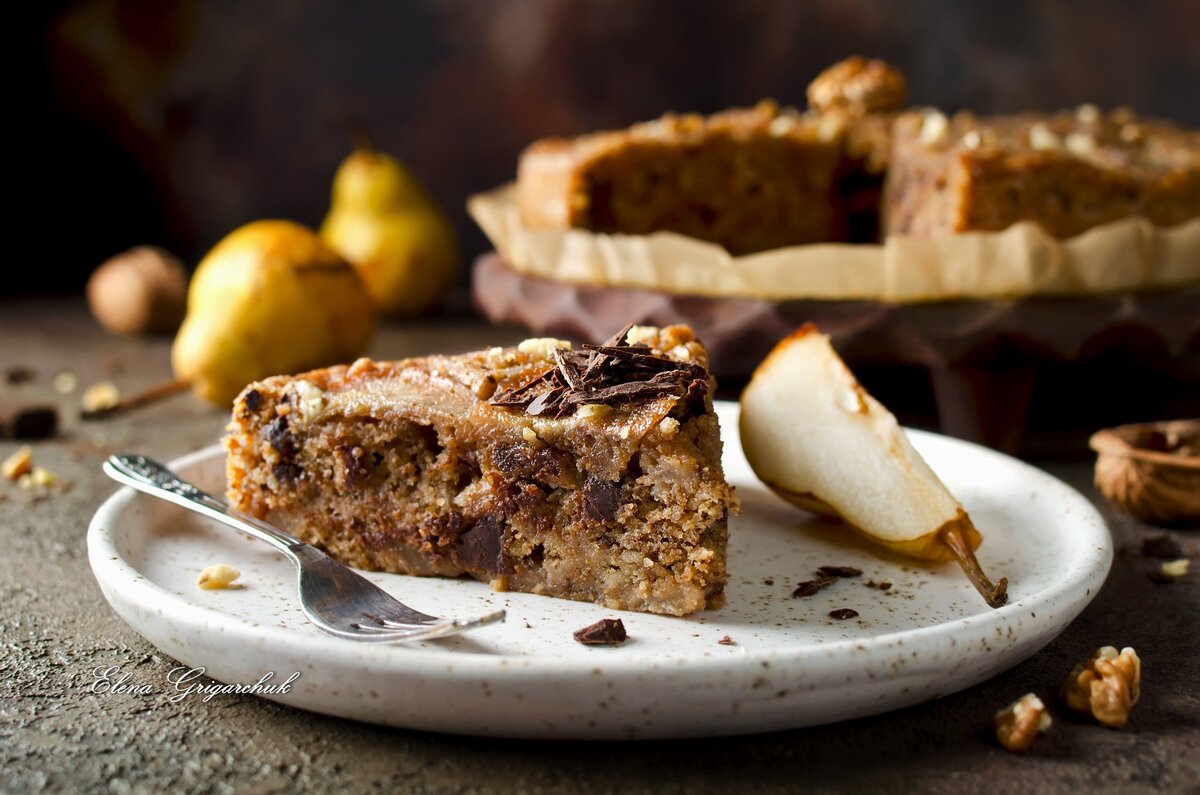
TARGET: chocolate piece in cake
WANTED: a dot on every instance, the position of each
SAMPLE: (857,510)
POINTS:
(749,180)
(591,474)
(1068,172)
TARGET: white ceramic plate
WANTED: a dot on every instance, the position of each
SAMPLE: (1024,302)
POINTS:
(792,665)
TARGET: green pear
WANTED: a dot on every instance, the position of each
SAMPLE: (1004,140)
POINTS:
(819,440)
(269,299)
(390,230)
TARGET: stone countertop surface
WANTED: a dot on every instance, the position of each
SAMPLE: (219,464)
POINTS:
(55,628)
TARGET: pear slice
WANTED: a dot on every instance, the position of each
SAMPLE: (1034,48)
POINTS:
(815,436)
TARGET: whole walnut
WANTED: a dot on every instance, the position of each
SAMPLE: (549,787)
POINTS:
(858,86)
(142,290)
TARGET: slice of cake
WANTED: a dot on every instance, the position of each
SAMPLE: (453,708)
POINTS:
(1067,171)
(749,180)
(591,474)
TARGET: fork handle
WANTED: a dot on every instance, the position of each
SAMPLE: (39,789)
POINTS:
(149,476)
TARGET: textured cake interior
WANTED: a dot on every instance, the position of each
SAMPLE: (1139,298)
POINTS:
(404,467)
(749,180)
(1068,172)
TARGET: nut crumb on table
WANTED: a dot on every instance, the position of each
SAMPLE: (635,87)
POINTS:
(18,464)
(1106,686)
(1019,724)
(99,397)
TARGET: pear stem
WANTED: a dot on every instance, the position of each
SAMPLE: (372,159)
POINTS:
(360,134)
(995,595)
(143,398)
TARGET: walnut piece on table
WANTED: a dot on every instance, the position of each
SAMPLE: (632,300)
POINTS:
(1106,687)
(1019,724)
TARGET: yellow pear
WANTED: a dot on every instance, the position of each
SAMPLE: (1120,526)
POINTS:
(270,298)
(390,230)
(815,436)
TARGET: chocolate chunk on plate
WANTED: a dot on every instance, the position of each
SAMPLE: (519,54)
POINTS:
(605,632)
(839,571)
(810,587)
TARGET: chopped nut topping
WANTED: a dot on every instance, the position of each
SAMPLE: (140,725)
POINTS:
(543,347)
(589,410)
(828,128)
(529,435)
(310,400)
(1087,113)
(217,576)
(669,426)
(18,464)
(934,127)
(1106,687)
(859,86)
(1018,724)
(1081,144)
(99,397)
(1043,138)
(680,353)
(65,382)
(640,335)
(1131,133)
(972,140)
(781,125)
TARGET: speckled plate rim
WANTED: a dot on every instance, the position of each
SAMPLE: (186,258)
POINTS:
(1038,618)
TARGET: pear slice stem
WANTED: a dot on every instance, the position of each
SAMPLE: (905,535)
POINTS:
(996,595)
(143,398)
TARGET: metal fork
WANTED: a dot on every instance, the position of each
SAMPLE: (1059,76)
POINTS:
(335,598)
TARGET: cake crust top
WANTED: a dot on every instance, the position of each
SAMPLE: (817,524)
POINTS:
(497,390)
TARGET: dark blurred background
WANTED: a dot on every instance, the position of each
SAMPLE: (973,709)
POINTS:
(175,122)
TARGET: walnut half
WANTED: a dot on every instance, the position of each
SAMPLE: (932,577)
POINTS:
(858,86)
(1106,687)
(1018,724)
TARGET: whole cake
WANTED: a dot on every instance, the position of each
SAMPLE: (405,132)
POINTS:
(591,474)
(855,165)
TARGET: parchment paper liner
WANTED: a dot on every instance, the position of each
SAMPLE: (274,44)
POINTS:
(1020,261)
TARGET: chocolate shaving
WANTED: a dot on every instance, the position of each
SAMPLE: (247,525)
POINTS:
(883,586)
(605,632)
(839,571)
(810,587)
(612,374)
(727,641)
(843,613)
